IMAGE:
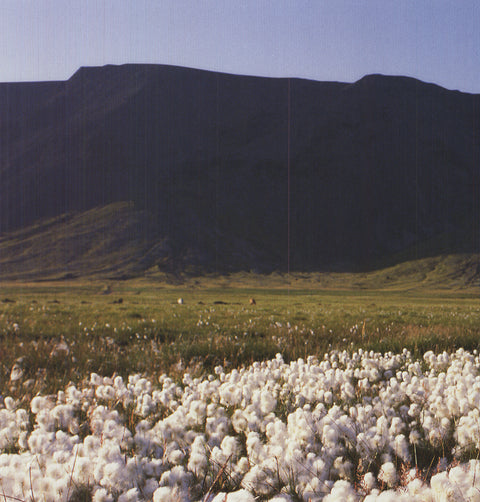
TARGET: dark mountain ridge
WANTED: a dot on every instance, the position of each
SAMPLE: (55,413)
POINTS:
(237,172)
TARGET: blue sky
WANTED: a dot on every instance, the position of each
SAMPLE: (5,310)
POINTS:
(433,40)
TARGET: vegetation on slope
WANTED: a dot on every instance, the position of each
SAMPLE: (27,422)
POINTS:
(118,241)
(58,332)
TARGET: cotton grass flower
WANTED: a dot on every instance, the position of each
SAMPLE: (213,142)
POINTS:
(388,474)
(237,496)
(308,426)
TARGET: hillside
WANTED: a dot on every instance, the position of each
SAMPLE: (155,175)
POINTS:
(186,170)
(113,243)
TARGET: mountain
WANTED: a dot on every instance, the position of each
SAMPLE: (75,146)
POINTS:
(217,172)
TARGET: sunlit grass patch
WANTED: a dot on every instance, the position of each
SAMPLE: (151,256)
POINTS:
(61,332)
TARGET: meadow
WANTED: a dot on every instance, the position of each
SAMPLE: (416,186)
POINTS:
(196,399)
(61,332)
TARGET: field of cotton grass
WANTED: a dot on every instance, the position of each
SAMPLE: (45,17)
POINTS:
(306,395)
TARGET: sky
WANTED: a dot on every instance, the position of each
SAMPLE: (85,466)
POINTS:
(341,40)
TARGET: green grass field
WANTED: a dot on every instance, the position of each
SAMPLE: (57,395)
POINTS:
(63,331)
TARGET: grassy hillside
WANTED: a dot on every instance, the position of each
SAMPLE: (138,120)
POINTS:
(449,273)
(106,241)
(118,241)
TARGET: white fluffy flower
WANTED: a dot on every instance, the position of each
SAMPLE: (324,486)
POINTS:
(101,495)
(238,496)
(272,427)
(163,494)
(342,490)
(388,474)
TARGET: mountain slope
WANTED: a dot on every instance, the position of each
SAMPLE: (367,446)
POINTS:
(235,172)
(108,241)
